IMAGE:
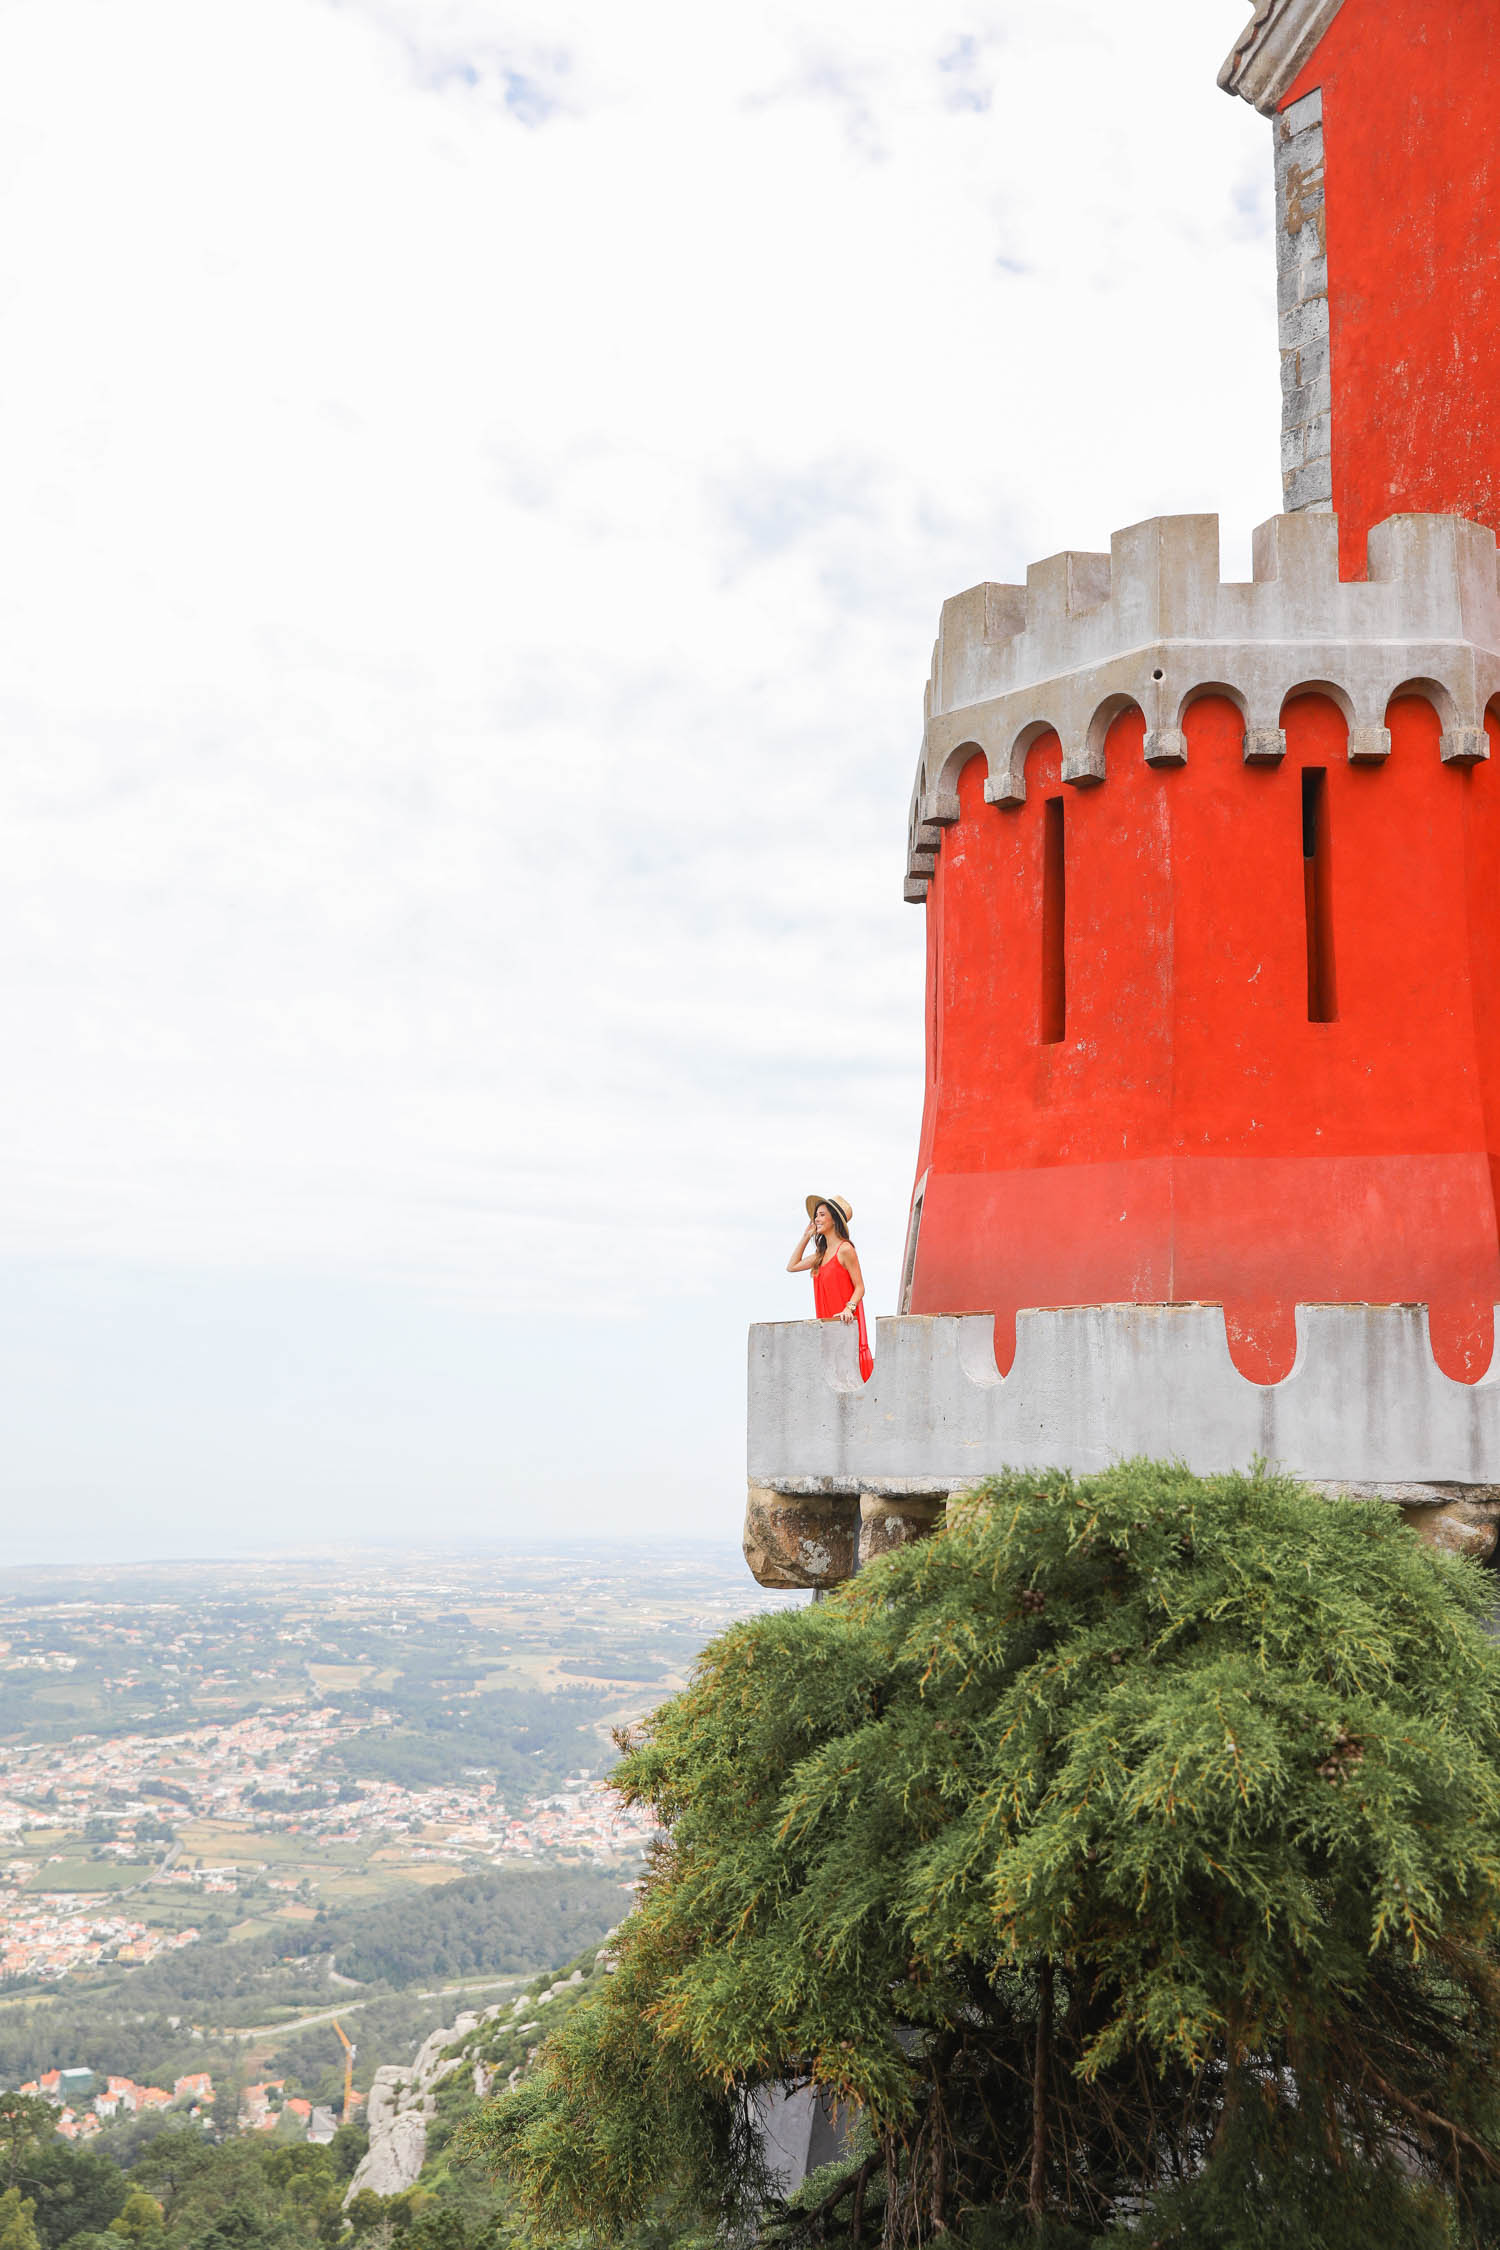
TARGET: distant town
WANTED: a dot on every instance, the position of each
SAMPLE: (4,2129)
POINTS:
(236,1773)
(198,1764)
(84,2107)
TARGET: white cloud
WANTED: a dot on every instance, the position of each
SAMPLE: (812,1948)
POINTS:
(476,487)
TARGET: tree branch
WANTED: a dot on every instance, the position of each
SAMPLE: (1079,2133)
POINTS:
(855,2182)
(1036,2201)
(1432,2120)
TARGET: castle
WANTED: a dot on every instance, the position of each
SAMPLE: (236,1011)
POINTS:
(1210,1154)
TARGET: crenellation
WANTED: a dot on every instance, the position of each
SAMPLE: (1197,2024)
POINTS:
(1152,626)
(980,618)
(1067,585)
(1166,578)
(1302,551)
(1365,1401)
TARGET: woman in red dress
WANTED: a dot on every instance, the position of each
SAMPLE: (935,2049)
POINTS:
(838,1284)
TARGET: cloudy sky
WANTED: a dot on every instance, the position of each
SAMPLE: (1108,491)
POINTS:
(477,482)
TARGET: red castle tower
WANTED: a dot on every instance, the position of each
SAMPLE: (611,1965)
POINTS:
(1388,240)
(1210,1154)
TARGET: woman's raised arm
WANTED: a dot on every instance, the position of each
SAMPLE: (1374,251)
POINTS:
(797,1262)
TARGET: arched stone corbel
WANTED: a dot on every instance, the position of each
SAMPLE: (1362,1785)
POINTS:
(1366,743)
(1089,766)
(1465,746)
(1263,743)
(1264,746)
(940,807)
(1007,786)
(1463,742)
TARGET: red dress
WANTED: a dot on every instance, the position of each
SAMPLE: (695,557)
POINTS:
(832,1289)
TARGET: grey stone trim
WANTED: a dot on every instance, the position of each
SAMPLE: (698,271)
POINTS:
(1302,300)
(1465,746)
(1364,1405)
(1274,48)
(1265,746)
(1151,625)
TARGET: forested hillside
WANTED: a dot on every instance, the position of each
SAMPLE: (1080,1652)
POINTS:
(493,1925)
(169,2186)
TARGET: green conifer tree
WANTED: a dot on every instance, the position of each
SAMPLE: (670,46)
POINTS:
(1130,1849)
(17,2222)
(139,2219)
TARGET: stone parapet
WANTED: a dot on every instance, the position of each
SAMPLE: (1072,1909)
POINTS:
(1151,626)
(1365,1402)
(850,1469)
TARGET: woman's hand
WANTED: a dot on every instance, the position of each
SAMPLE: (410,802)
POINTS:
(799,1262)
(847,1315)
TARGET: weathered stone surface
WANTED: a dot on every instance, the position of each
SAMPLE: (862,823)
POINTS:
(1459,1527)
(800,1539)
(401,2103)
(380,2109)
(888,1521)
(1279,39)
(1365,1403)
(392,2161)
(1409,1495)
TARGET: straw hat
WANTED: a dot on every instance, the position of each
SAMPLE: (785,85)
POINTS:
(834,1203)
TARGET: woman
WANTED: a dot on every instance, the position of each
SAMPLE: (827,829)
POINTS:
(838,1284)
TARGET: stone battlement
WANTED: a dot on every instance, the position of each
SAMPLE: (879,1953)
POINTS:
(1152,627)
(1365,1409)
(1365,1400)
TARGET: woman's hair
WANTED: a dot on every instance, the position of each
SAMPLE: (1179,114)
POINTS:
(839,1229)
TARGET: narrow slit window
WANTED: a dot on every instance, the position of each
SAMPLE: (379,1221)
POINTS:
(1317,891)
(1054,927)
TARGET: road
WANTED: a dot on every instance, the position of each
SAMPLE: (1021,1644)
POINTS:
(464,1986)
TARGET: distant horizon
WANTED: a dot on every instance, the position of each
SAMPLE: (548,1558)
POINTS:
(657,1541)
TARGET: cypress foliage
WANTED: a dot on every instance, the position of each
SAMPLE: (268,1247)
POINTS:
(1128,1852)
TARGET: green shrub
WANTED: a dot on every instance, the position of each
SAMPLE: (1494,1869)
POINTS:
(1130,1847)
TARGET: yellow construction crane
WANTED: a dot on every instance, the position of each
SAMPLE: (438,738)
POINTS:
(348,2069)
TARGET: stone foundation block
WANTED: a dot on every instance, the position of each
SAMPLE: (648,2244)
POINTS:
(797,1539)
(1458,1527)
(888,1521)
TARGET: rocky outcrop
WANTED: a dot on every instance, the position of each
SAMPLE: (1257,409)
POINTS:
(476,2045)
(402,2099)
(394,2158)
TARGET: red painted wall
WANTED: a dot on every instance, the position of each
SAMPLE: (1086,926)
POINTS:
(1411,90)
(1194,1136)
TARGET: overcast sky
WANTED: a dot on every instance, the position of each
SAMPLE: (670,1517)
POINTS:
(477,483)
